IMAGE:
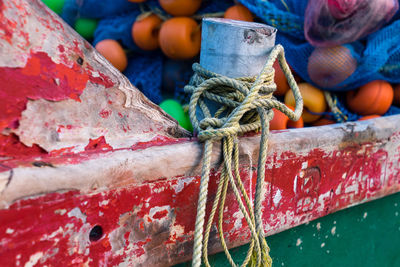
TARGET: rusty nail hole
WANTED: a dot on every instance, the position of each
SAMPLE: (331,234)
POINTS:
(96,233)
(79,60)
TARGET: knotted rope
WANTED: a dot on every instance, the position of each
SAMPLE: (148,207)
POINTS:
(245,105)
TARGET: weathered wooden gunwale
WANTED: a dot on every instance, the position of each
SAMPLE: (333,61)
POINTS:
(90,153)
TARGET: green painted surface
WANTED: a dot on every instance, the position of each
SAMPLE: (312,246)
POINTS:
(364,235)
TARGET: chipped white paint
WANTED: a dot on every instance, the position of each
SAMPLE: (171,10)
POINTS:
(9,231)
(318,226)
(176,231)
(60,211)
(238,215)
(295,184)
(352,188)
(178,187)
(322,198)
(59,231)
(344,175)
(77,213)
(33,259)
(277,197)
(298,242)
(80,240)
(338,189)
(158,189)
(304,165)
(155,210)
(365,215)
(322,245)
(396,213)
(104,202)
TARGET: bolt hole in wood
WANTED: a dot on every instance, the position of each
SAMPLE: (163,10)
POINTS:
(96,233)
(80,61)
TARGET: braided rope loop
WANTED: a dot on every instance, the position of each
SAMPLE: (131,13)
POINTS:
(240,105)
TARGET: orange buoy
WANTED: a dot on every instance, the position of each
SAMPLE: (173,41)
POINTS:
(113,52)
(372,98)
(329,66)
(314,101)
(180,38)
(239,12)
(280,121)
(145,32)
(368,117)
(180,7)
(280,80)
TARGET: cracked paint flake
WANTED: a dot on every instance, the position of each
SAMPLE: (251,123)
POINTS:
(33,259)
(333,230)
(77,213)
(277,197)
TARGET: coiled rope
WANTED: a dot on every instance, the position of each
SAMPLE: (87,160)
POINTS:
(245,104)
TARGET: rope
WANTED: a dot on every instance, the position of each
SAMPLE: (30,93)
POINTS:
(245,104)
(332,101)
(338,110)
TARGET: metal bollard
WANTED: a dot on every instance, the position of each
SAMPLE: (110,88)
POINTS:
(235,48)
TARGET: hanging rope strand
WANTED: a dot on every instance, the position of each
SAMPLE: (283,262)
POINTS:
(245,105)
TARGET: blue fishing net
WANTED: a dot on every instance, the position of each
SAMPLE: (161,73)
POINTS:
(116,18)
(377,55)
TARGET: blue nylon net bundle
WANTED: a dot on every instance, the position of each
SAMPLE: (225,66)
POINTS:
(377,54)
(115,20)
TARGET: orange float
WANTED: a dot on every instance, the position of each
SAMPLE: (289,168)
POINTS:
(180,38)
(329,66)
(314,101)
(113,52)
(396,95)
(239,12)
(180,7)
(368,117)
(145,32)
(280,80)
(280,121)
(372,98)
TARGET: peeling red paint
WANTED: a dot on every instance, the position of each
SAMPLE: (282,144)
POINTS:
(314,193)
(105,113)
(98,144)
(46,80)
(158,141)
(11,147)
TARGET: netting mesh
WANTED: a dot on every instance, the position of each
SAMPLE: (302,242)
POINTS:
(116,18)
(377,55)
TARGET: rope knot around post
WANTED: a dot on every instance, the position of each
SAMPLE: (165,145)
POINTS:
(223,108)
